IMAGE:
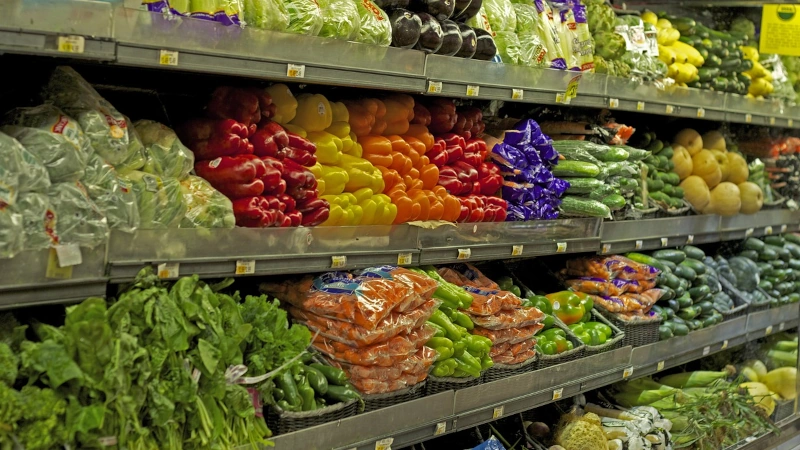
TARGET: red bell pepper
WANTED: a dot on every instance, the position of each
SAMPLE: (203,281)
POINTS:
(476,188)
(297,141)
(490,178)
(296,218)
(253,212)
(315,211)
(242,105)
(454,153)
(298,176)
(438,154)
(474,152)
(489,213)
(291,203)
(230,169)
(443,115)
(264,143)
(201,129)
(421,114)
(465,172)
(463,214)
(310,205)
(449,179)
(499,214)
(275,189)
(209,138)
(239,190)
(301,194)
(453,140)
(273,203)
(300,156)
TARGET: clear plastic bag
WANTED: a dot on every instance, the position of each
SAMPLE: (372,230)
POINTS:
(416,364)
(159,200)
(33,176)
(371,386)
(508,47)
(509,350)
(114,197)
(78,219)
(10,168)
(53,137)
(39,220)
(376,28)
(549,34)
(165,156)
(266,14)
(104,126)
(340,19)
(206,206)
(610,267)
(12,236)
(508,335)
(533,51)
(385,354)
(629,302)
(508,318)
(487,298)
(305,17)
(501,15)
(137,158)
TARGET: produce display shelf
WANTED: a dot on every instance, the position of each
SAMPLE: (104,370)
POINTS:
(763,223)
(773,320)
(25,282)
(137,38)
(786,440)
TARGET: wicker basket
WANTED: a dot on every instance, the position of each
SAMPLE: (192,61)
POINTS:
(664,212)
(783,409)
(615,342)
(637,334)
(577,351)
(739,300)
(282,422)
(378,401)
(499,371)
(434,385)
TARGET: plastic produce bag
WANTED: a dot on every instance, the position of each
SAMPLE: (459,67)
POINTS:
(78,219)
(206,206)
(10,168)
(385,354)
(305,17)
(33,176)
(376,28)
(416,364)
(340,19)
(501,15)
(226,12)
(532,48)
(509,335)
(610,267)
(136,159)
(480,21)
(39,220)
(104,126)
(159,200)
(266,14)
(114,197)
(165,156)
(548,32)
(508,47)
(53,137)
(508,318)
(12,235)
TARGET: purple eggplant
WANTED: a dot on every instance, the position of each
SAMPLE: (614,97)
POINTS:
(406,28)
(388,5)
(430,37)
(439,9)
(451,38)
(467,9)
(469,41)
(485,48)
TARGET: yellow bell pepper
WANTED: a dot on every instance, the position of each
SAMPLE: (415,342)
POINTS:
(378,185)
(358,179)
(320,186)
(340,112)
(357,215)
(369,207)
(334,216)
(356,150)
(385,211)
(313,112)
(337,199)
(286,104)
(339,129)
(349,161)
(347,144)
(362,194)
(295,129)
(316,169)
(335,179)
(329,147)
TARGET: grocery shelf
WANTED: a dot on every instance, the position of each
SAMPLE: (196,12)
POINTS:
(26,281)
(773,320)
(671,101)
(786,440)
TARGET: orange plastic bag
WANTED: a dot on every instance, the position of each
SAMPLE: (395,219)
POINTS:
(512,349)
(418,363)
(509,335)
(514,359)
(372,386)
(487,297)
(610,267)
(629,302)
(385,354)
(505,319)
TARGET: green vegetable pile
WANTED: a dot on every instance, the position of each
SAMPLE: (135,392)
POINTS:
(662,181)
(777,259)
(306,387)
(152,369)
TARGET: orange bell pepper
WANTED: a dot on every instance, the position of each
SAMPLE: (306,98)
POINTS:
(423,161)
(399,144)
(363,114)
(379,160)
(415,143)
(413,156)
(413,183)
(375,145)
(452,208)
(437,207)
(390,177)
(420,132)
(404,208)
(413,173)
(379,127)
(399,107)
(419,197)
(429,175)
(440,191)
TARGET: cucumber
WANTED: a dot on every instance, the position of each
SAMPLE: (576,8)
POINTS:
(676,256)
(753,244)
(713,61)
(685,272)
(730,65)
(648,260)
(659,197)
(793,238)
(670,265)
(699,293)
(577,206)
(680,329)
(750,254)
(708,73)
(765,285)
(673,305)
(684,301)
(693,252)
(783,253)
(575,169)
(706,307)
(774,240)
(663,161)
(672,281)
(689,313)
(794,249)
(614,202)
(683,24)
(664,333)
(794,264)
(668,294)
(698,267)
(746,65)
(583,185)
(767,254)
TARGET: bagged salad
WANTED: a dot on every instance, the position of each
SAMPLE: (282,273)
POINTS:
(113,196)
(266,14)
(33,176)
(12,234)
(305,17)
(164,154)
(376,28)
(39,220)
(78,219)
(340,19)
(159,200)
(206,206)
(226,12)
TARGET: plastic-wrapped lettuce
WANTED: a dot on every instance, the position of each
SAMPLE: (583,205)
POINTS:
(114,197)
(54,138)
(376,28)
(137,158)
(104,126)
(600,16)
(165,156)
(266,14)
(12,235)
(207,207)
(305,17)
(159,200)
(508,47)
(340,19)
(480,21)
(10,167)
(39,220)
(532,49)
(78,219)
(546,29)
(501,15)
(33,176)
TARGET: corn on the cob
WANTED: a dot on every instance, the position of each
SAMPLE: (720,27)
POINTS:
(700,378)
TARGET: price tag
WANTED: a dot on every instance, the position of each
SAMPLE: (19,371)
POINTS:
(640,106)
(748,118)
(638,244)
(384,444)
(557,393)
(748,232)
(768,230)
(245,267)
(606,248)
(706,350)
(560,98)
(296,70)
(768,331)
(561,247)
(516,250)
(464,253)
(54,270)
(497,412)
(701,112)
(572,89)
(69,255)
(472,90)
(750,439)
(107,441)
(168,58)
(772,121)
(337,262)
(169,270)
(690,239)
(404,259)
(724,344)
(613,103)
(627,372)
(441,427)
(783,228)
(781,326)
(517,94)
(660,366)
(664,242)
(434,87)
(669,109)
(790,122)
(71,44)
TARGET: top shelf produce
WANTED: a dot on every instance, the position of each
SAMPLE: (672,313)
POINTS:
(131,37)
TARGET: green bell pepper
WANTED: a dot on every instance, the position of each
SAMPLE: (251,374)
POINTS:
(541,302)
(546,346)
(441,319)
(553,332)
(548,321)
(440,332)
(505,283)
(478,345)
(599,326)
(515,290)
(597,336)
(486,362)
(459,347)
(462,319)
(444,368)
(562,343)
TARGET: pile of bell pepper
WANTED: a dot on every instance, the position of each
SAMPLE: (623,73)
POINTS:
(460,354)
(553,341)
(307,387)
(570,307)
(591,333)
(254,161)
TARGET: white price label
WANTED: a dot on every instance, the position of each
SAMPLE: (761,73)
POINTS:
(517,94)
(790,122)
(701,112)
(781,326)
(706,350)
(337,262)
(558,393)
(690,239)
(434,87)
(516,250)
(783,228)
(768,230)
(441,427)
(606,248)
(498,412)
(748,118)
(724,344)
(168,58)
(169,270)
(638,244)
(664,242)
(296,70)
(71,44)
(245,267)
(473,90)
(772,121)
(384,444)
(404,259)
(69,255)
(768,331)
(627,372)
(464,253)
(640,106)
(748,232)
(613,103)
(660,366)
(669,109)
(561,247)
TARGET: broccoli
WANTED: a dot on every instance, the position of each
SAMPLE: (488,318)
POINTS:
(9,365)
(40,404)
(41,434)
(10,406)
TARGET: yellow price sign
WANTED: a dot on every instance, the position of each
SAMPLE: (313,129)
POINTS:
(780,29)
(572,88)
(168,58)
(71,44)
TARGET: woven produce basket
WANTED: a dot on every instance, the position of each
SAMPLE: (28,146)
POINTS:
(742,306)
(615,342)
(434,385)
(282,422)
(499,371)
(783,409)
(378,401)
(577,351)
(636,333)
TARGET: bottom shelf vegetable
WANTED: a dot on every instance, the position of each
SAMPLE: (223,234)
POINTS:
(460,354)
(308,387)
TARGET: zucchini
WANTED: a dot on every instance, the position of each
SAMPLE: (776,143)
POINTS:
(746,65)
(659,197)
(713,61)
(794,249)
(730,65)
(749,254)
(793,238)
(794,264)
(672,281)
(685,272)
(673,305)
(684,301)
(765,285)
(698,267)
(706,306)
(583,185)
(676,256)
(670,265)
(777,241)
(753,244)
(699,293)
(708,73)
(693,252)
(577,206)
(680,329)
(689,313)
(648,260)
(767,254)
